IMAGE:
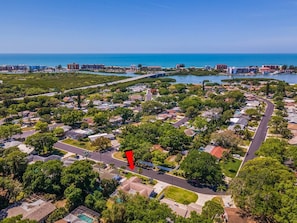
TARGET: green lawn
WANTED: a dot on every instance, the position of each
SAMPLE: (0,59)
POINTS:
(119,155)
(83,145)
(180,195)
(230,167)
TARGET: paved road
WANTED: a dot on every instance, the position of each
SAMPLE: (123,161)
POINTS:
(107,158)
(24,134)
(261,132)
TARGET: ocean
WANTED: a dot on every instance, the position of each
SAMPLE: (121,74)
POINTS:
(164,60)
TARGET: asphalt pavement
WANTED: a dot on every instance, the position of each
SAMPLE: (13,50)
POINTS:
(108,159)
(261,132)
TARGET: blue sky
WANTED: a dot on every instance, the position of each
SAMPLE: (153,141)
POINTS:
(148,26)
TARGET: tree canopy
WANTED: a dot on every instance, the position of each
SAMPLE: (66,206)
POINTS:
(42,142)
(266,189)
(202,167)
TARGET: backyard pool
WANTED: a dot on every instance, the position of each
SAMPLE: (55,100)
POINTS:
(85,218)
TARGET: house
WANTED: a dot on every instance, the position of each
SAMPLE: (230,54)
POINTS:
(181,209)
(38,210)
(134,186)
(137,88)
(25,149)
(81,214)
(180,122)
(78,134)
(189,132)
(163,117)
(115,144)
(116,120)
(89,120)
(212,114)
(35,158)
(235,215)
(252,104)
(11,143)
(218,152)
(105,135)
(241,121)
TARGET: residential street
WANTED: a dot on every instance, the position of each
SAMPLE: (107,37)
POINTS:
(107,158)
(261,132)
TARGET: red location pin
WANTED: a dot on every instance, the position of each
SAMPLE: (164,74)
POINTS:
(130,158)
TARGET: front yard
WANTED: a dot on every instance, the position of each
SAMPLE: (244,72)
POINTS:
(80,144)
(180,195)
(230,167)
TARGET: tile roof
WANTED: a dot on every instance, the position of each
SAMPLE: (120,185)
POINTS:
(218,151)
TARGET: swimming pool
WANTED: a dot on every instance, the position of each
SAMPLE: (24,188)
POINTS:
(85,218)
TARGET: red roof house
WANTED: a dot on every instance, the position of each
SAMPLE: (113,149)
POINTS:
(218,152)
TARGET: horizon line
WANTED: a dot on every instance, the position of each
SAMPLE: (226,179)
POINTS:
(148,53)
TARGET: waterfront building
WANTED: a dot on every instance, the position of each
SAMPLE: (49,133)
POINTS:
(37,68)
(272,67)
(73,66)
(221,67)
(11,68)
(92,66)
(242,70)
(265,69)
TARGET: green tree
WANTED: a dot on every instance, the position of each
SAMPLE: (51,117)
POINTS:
(73,117)
(212,210)
(200,123)
(96,201)
(58,214)
(174,140)
(152,107)
(7,131)
(74,197)
(13,162)
(108,186)
(81,175)
(264,189)
(44,177)
(202,167)
(125,113)
(58,132)
(11,191)
(273,147)
(41,126)
(226,139)
(42,142)
(17,219)
(137,209)
(191,112)
(101,118)
(101,144)
(253,113)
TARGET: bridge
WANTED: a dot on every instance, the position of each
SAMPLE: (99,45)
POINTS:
(154,75)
